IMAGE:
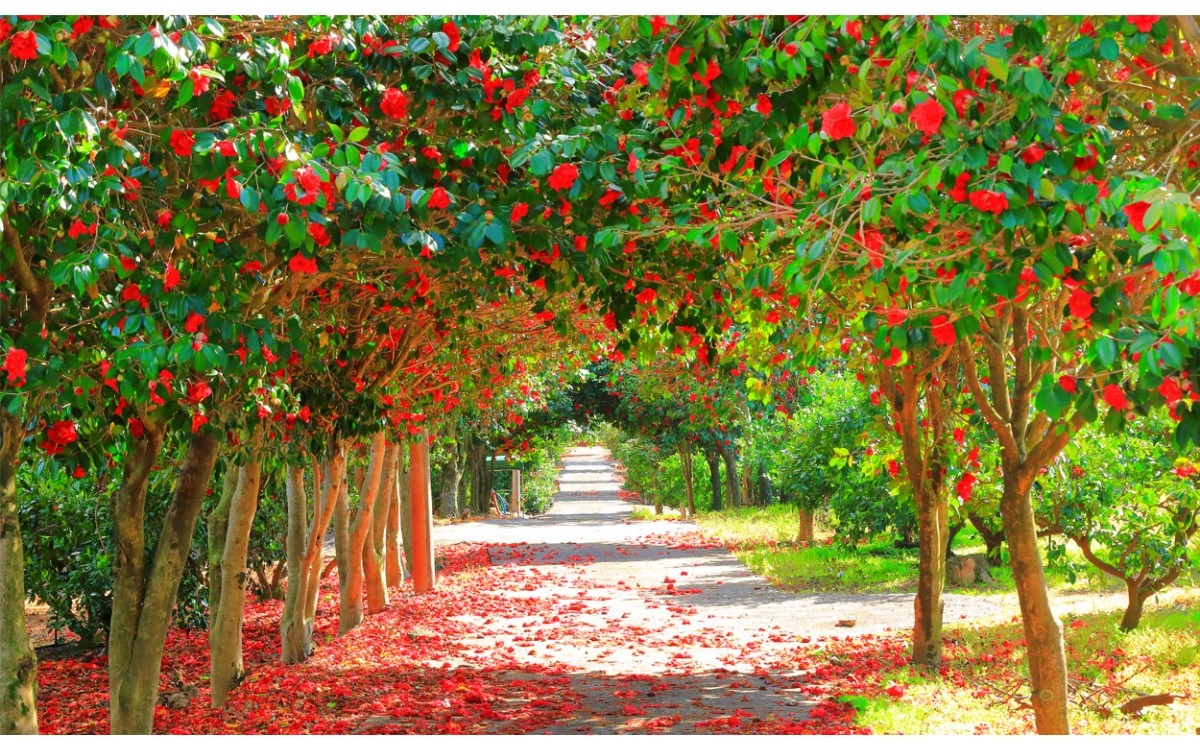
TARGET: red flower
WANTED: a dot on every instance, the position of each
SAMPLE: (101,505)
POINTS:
(1115,397)
(198,421)
(1170,390)
(959,192)
(519,211)
(302,265)
(960,100)
(197,392)
(171,278)
(16,365)
(837,123)
(1067,383)
(319,234)
(1137,215)
(439,198)
(928,116)
(79,229)
(1033,154)
(194,322)
(394,104)
(943,330)
(764,105)
(450,30)
(854,30)
(989,201)
(893,357)
(182,142)
(23,45)
(62,433)
(1080,303)
(563,177)
(640,73)
(965,486)
(646,296)
(1143,23)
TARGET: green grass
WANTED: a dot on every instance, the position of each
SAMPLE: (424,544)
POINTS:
(646,513)
(1161,656)
(764,539)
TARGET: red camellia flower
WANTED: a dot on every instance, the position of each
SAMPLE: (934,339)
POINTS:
(136,428)
(319,234)
(302,265)
(1143,23)
(23,45)
(1137,215)
(62,433)
(198,421)
(959,192)
(197,392)
(1067,383)
(965,486)
(1080,303)
(519,211)
(182,142)
(394,104)
(563,177)
(646,296)
(640,73)
(16,364)
(928,116)
(171,278)
(1033,154)
(837,123)
(943,330)
(989,200)
(450,30)
(764,105)
(439,198)
(1170,390)
(1115,397)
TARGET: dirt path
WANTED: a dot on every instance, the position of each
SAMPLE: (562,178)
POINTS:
(710,638)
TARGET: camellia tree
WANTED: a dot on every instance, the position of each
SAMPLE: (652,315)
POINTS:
(1022,192)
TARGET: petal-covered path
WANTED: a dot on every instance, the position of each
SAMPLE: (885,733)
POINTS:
(577,621)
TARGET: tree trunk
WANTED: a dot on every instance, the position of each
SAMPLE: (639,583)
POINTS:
(1133,610)
(421,502)
(714,478)
(374,551)
(931,578)
(18,660)
(733,493)
(394,565)
(992,538)
(804,531)
(301,598)
(764,486)
(685,462)
(405,491)
(139,628)
(951,533)
(218,527)
(451,476)
(351,580)
(1043,633)
(294,646)
(225,633)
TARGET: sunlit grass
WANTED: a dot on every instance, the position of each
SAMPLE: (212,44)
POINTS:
(1161,656)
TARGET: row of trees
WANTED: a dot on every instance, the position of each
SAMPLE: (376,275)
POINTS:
(243,241)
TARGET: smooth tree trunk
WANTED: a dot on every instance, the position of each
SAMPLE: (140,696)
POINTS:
(714,479)
(421,515)
(18,660)
(218,527)
(1043,632)
(452,473)
(358,537)
(143,601)
(225,633)
(733,493)
(406,517)
(304,572)
(689,490)
(373,548)
(394,563)
(993,538)
(804,530)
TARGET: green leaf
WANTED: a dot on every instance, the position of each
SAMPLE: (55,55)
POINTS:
(359,133)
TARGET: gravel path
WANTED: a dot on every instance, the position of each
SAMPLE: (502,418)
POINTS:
(589,522)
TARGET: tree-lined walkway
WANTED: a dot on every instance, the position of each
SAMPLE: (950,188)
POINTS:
(666,623)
